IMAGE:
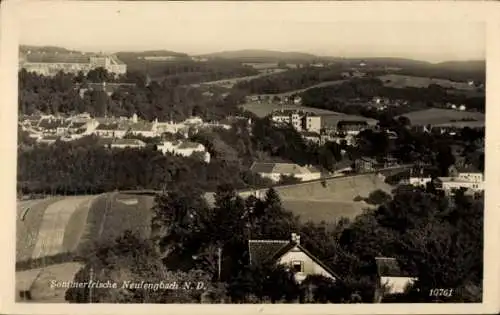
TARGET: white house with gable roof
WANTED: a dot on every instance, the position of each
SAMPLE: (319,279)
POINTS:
(184,148)
(275,171)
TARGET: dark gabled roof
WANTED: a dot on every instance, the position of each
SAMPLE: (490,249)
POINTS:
(389,267)
(262,251)
(286,112)
(309,134)
(77,124)
(141,126)
(107,127)
(467,169)
(422,172)
(262,167)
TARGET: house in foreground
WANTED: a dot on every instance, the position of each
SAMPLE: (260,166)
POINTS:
(291,254)
(275,171)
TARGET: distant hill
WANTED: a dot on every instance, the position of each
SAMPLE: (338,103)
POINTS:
(47,49)
(151,53)
(396,62)
(470,65)
(256,55)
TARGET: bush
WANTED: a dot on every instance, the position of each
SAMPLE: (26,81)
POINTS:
(378,197)
(358,198)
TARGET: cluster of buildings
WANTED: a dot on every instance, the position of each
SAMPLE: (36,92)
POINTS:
(467,178)
(78,126)
(367,164)
(282,99)
(461,107)
(50,63)
(322,128)
(382,103)
(301,121)
(120,132)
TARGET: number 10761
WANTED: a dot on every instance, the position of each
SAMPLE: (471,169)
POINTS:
(441,292)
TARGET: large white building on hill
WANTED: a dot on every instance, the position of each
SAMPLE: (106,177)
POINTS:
(49,64)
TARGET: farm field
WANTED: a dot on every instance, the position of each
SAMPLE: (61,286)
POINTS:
(467,93)
(112,214)
(262,65)
(313,201)
(54,222)
(324,210)
(37,281)
(401,81)
(66,224)
(229,83)
(29,219)
(440,116)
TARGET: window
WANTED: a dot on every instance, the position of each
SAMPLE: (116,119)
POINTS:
(297,266)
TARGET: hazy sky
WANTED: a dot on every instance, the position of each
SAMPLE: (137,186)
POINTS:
(202,27)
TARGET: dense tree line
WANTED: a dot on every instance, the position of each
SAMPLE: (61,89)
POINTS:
(60,94)
(86,166)
(294,79)
(337,97)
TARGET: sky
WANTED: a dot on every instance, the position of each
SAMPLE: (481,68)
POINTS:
(196,28)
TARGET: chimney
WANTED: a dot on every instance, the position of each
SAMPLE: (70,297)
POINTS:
(296,238)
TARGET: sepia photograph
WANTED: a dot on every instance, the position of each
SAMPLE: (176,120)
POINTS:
(233,154)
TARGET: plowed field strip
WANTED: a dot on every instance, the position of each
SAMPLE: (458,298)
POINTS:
(55,219)
(77,226)
(27,230)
